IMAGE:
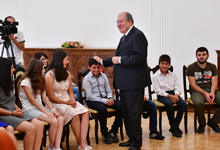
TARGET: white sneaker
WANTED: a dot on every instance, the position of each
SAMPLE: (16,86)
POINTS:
(50,148)
(90,147)
(80,148)
(57,149)
(86,148)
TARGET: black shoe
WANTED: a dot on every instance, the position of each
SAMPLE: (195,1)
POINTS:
(175,132)
(125,144)
(134,148)
(113,136)
(214,126)
(201,129)
(180,131)
(106,139)
(156,135)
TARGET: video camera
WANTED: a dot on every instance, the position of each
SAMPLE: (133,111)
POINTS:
(7,28)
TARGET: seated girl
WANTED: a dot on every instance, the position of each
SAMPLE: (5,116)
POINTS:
(60,93)
(11,114)
(32,85)
(42,57)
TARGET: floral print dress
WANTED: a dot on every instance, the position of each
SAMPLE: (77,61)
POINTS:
(60,91)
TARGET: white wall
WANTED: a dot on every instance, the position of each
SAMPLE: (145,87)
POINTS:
(174,27)
(179,27)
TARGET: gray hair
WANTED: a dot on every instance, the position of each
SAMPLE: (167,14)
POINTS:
(128,17)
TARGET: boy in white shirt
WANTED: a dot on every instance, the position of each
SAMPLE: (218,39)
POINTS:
(167,89)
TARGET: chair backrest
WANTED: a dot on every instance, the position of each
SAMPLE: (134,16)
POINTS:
(18,71)
(81,75)
(17,89)
(153,70)
(184,82)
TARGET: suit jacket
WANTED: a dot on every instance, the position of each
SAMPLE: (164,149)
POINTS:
(132,72)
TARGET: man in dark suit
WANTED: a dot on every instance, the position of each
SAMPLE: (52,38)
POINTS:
(130,76)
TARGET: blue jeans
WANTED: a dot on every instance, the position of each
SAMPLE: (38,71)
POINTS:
(174,122)
(153,115)
(102,115)
(19,65)
(76,93)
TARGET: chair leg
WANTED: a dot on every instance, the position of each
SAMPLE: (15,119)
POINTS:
(44,138)
(88,140)
(63,137)
(160,122)
(195,122)
(121,131)
(41,147)
(209,113)
(96,131)
(186,120)
(67,137)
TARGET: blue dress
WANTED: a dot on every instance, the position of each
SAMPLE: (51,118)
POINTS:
(2,124)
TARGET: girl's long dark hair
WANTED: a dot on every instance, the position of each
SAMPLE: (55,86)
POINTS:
(56,64)
(5,76)
(34,73)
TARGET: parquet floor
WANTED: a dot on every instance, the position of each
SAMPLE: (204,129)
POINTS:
(190,141)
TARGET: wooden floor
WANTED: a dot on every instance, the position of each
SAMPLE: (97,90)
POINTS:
(190,141)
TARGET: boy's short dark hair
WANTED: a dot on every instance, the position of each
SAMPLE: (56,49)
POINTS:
(165,58)
(92,61)
(202,49)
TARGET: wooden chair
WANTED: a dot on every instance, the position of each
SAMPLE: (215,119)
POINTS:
(161,106)
(18,71)
(110,112)
(66,134)
(208,106)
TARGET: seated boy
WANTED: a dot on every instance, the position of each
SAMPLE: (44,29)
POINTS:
(167,89)
(152,111)
(99,97)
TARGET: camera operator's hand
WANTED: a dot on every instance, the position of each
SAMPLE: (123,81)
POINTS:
(19,45)
(11,37)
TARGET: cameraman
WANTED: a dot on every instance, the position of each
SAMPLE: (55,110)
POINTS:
(17,41)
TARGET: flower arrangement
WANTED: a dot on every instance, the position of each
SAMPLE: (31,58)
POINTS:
(70,44)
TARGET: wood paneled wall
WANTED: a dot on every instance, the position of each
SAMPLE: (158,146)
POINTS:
(78,59)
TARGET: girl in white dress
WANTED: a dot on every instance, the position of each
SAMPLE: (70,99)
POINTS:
(32,86)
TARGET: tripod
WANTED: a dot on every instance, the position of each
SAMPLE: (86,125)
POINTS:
(6,45)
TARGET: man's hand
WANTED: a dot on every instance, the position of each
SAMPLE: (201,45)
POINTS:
(145,98)
(11,37)
(115,59)
(176,97)
(173,98)
(210,97)
(110,102)
(98,59)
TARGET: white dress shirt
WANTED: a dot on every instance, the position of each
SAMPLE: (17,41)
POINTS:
(162,83)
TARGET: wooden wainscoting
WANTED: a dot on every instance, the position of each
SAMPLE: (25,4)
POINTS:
(78,58)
